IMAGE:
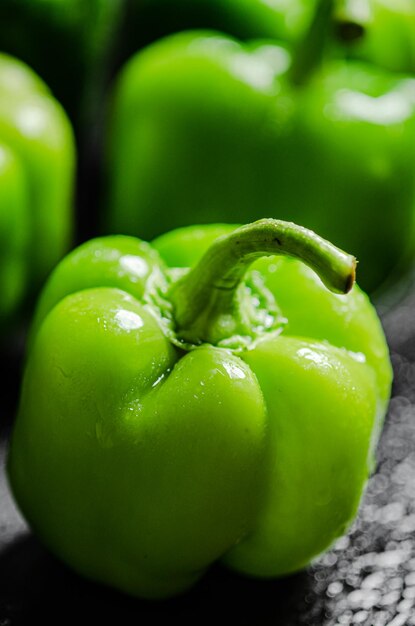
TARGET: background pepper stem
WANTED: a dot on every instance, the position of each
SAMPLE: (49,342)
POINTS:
(208,292)
(311,48)
(343,20)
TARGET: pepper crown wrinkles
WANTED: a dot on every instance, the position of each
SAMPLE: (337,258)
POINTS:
(207,301)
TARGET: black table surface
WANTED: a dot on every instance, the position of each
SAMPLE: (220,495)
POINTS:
(368,577)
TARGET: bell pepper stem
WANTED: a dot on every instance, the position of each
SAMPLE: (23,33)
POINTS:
(310,50)
(210,289)
(346,20)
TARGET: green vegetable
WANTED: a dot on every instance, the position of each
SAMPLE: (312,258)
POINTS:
(37,157)
(203,128)
(171,417)
(89,39)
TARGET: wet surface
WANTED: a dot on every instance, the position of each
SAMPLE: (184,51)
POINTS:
(367,578)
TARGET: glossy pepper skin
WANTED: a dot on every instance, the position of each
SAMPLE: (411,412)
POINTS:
(37,161)
(171,417)
(220,130)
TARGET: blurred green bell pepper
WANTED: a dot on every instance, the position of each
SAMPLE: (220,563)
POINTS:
(203,128)
(171,416)
(75,45)
(37,160)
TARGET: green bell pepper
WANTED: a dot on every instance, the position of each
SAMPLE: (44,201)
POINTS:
(90,39)
(13,232)
(202,128)
(387,35)
(37,159)
(171,416)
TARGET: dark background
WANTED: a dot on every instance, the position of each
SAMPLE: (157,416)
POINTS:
(367,578)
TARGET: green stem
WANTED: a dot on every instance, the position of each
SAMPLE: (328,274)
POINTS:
(345,19)
(205,301)
(310,50)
